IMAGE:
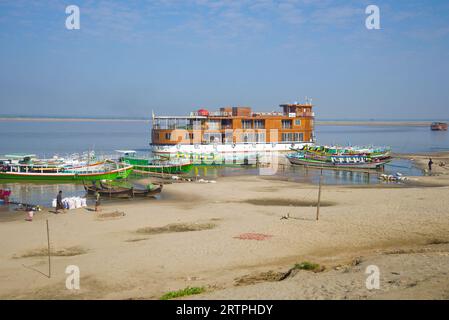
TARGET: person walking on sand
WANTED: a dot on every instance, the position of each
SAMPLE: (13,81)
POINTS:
(97,201)
(430,165)
(59,204)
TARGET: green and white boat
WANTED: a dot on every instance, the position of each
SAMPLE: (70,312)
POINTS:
(29,171)
(155,164)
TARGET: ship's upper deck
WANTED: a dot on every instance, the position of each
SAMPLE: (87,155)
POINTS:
(293,124)
(289,110)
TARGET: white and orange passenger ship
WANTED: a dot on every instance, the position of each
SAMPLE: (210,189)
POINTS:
(233,130)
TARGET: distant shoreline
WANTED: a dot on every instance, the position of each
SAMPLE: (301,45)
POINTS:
(31,119)
(398,123)
(392,123)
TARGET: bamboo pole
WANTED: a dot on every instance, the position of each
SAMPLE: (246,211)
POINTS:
(319,196)
(48,247)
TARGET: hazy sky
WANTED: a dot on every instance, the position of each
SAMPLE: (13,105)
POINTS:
(175,56)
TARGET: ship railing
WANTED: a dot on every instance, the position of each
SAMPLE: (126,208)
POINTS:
(262,114)
(220,114)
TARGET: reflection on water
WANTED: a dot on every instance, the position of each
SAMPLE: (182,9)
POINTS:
(311,175)
(42,193)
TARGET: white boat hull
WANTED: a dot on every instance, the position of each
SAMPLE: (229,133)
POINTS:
(207,149)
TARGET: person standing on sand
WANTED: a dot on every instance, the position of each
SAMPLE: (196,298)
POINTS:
(430,164)
(97,201)
(59,204)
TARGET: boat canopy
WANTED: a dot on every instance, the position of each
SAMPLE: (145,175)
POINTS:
(19,156)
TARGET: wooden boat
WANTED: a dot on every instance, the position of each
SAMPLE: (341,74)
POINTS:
(380,153)
(337,157)
(29,172)
(335,164)
(121,192)
(439,126)
(147,192)
(115,192)
(155,164)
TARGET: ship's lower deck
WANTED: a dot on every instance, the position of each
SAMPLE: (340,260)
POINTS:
(239,152)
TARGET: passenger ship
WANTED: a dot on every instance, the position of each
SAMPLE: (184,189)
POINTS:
(233,130)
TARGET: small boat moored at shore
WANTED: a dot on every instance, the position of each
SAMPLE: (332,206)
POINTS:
(116,191)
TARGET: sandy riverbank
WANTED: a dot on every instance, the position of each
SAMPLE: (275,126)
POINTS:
(404,231)
(439,175)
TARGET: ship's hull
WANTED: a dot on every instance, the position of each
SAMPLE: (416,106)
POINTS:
(238,148)
(120,173)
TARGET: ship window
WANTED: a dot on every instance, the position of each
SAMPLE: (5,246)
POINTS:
(247,137)
(298,122)
(292,137)
(213,125)
(196,124)
(226,124)
(286,124)
(246,124)
(259,124)
(260,137)
(212,138)
(168,136)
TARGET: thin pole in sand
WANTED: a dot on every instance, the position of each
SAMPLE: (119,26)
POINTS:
(319,196)
(49,254)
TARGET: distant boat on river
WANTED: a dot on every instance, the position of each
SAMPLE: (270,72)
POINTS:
(438,126)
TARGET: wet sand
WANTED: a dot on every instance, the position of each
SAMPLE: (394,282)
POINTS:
(238,238)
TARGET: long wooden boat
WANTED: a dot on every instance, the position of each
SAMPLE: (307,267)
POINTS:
(325,164)
(109,192)
(339,157)
(104,171)
(380,153)
(157,164)
(121,192)
(147,192)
